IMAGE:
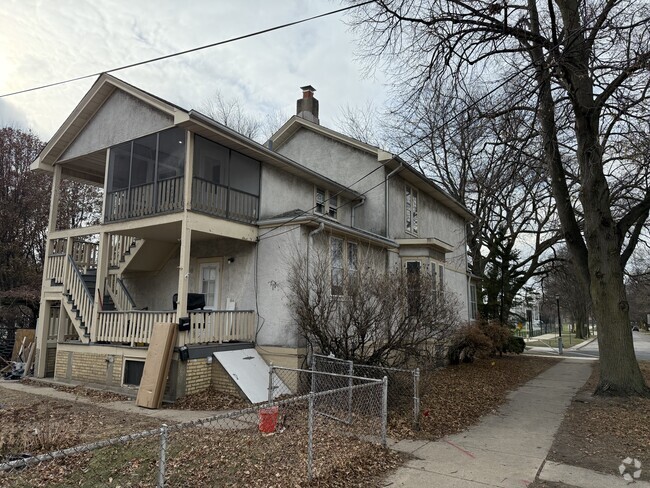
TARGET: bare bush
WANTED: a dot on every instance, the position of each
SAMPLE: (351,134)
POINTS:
(367,314)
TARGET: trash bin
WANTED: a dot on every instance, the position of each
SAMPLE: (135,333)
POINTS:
(268,419)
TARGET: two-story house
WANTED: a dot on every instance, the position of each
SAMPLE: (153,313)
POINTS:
(198,225)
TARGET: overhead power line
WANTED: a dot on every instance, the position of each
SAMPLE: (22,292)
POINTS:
(403,151)
(187,51)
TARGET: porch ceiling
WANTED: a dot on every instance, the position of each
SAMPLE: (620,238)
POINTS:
(88,168)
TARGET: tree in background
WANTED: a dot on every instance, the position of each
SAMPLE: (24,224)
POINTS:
(24,215)
(562,281)
(232,113)
(582,69)
(24,210)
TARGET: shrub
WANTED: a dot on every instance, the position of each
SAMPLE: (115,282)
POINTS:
(468,343)
(516,345)
(482,340)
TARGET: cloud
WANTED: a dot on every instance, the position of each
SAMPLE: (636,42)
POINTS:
(265,72)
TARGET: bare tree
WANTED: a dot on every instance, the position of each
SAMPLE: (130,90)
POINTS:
(24,204)
(373,316)
(233,113)
(575,301)
(582,62)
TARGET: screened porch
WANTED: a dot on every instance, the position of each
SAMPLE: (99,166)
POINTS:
(146,177)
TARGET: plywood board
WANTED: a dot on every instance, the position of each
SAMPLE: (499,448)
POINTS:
(251,373)
(156,365)
(28,335)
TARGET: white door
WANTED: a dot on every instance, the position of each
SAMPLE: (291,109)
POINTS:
(209,283)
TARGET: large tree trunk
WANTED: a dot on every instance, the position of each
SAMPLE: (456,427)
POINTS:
(619,372)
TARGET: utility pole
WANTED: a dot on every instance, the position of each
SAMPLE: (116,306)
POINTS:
(559,324)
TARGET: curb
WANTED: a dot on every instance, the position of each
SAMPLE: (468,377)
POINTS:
(582,344)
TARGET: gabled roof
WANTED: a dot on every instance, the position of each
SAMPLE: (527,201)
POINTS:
(101,90)
(389,160)
(201,124)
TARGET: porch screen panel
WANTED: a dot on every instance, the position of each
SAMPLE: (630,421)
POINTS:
(143,171)
(244,187)
(210,185)
(171,162)
(117,204)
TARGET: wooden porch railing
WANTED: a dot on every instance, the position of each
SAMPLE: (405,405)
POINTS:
(144,200)
(75,286)
(223,201)
(120,295)
(84,254)
(215,326)
(130,327)
(119,246)
(221,326)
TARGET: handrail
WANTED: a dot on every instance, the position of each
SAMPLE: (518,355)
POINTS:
(126,292)
(227,187)
(80,277)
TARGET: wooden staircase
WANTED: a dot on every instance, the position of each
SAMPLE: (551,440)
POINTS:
(80,286)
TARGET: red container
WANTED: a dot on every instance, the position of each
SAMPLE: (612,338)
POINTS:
(268,419)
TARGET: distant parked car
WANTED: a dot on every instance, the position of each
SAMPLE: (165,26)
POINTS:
(635,328)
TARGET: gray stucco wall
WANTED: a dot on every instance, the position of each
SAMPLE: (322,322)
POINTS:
(121,118)
(437,221)
(276,254)
(155,289)
(345,165)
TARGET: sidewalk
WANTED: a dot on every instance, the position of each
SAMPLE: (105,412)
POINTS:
(127,406)
(506,449)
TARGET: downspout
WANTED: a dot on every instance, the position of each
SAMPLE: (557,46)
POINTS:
(386,208)
(363,200)
(309,240)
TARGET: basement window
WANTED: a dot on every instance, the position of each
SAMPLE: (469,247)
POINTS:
(133,372)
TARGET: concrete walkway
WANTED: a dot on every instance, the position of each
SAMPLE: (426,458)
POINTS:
(127,406)
(507,448)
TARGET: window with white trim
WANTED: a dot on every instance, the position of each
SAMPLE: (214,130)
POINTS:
(473,302)
(336,264)
(326,203)
(344,261)
(414,285)
(411,209)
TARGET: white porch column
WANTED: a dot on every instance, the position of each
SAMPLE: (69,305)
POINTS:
(189,171)
(54,200)
(44,308)
(184,270)
(102,271)
(41,337)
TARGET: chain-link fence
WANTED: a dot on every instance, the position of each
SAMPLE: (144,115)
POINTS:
(403,384)
(307,429)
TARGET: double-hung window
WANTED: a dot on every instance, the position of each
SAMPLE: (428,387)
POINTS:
(336,263)
(326,203)
(411,209)
(344,262)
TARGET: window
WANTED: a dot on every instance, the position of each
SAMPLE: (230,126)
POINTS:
(133,372)
(320,201)
(441,277)
(413,283)
(336,263)
(411,206)
(473,302)
(326,203)
(333,203)
(209,284)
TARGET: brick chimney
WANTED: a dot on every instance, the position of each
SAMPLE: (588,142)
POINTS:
(307,106)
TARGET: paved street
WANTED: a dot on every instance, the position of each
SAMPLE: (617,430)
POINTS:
(641,347)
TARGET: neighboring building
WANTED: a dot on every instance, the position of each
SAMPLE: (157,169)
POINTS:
(195,211)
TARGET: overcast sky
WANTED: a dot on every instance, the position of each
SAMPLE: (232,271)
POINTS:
(46,41)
